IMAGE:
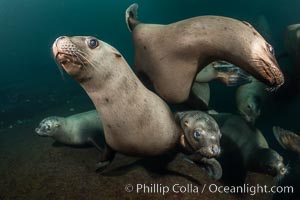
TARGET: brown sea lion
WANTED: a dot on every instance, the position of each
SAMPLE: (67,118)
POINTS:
(136,121)
(168,57)
(245,149)
(250,99)
(201,136)
(291,143)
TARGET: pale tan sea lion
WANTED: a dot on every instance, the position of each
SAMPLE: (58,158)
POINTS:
(170,56)
(80,129)
(136,122)
(245,148)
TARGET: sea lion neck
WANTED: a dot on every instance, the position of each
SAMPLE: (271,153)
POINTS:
(115,83)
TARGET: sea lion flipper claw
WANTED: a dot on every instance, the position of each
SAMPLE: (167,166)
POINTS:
(232,75)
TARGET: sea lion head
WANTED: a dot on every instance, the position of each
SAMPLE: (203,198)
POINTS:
(48,126)
(83,56)
(261,58)
(201,133)
(269,162)
(250,108)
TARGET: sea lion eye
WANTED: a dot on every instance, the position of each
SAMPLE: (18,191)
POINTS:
(197,134)
(92,43)
(271,49)
(47,127)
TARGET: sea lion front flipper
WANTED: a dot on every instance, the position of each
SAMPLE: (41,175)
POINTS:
(91,140)
(106,158)
(231,75)
(210,165)
(287,139)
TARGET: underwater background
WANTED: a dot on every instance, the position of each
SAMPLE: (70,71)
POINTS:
(32,88)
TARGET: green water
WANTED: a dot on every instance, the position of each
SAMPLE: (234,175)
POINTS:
(31,83)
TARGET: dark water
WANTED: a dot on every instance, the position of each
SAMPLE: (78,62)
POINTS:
(31,83)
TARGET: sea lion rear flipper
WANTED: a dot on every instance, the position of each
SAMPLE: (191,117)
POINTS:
(287,139)
(131,16)
(232,75)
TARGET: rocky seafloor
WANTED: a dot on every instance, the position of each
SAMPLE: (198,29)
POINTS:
(33,167)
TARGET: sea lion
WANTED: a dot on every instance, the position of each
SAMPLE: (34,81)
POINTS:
(292,43)
(201,133)
(245,149)
(290,142)
(168,57)
(201,136)
(136,121)
(250,98)
(80,129)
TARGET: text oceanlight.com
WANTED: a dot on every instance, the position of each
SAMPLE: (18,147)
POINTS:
(212,188)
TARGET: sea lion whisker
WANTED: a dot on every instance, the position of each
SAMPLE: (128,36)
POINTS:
(87,60)
(78,57)
(81,52)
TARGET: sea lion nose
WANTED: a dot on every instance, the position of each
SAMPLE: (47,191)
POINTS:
(59,38)
(215,149)
(283,170)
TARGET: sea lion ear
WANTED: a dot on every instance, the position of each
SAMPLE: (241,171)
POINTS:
(57,125)
(287,139)
(186,123)
(178,116)
(116,53)
(247,24)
